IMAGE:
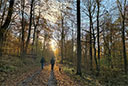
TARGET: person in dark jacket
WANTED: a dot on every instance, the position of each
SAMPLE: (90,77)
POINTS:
(52,63)
(42,62)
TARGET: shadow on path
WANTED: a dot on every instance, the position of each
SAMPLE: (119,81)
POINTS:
(29,79)
(46,77)
(43,77)
(52,80)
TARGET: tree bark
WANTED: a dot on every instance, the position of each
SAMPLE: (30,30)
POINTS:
(62,43)
(124,46)
(23,29)
(4,27)
(123,16)
(9,15)
(94,46)
(30,24)
(98,34)
(72,44)
(35,29)
(78,39)
(90,42)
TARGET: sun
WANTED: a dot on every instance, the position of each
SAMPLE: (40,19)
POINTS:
(53,45)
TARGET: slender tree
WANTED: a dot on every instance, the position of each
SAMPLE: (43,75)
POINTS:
(90,11)
(72,43)
(78,39)
(62,41)
(23,28)
(35,26)
(122,10)
(94,48)
(98,32)
(30,25)
(90,30)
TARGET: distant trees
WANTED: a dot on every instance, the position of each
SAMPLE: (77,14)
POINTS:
(108,32)
(122,10)
(102,33)
(26,26)
(90,12)
(90,8)
(63,28)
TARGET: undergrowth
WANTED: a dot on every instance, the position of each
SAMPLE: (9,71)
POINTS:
(107,77)
(10,65)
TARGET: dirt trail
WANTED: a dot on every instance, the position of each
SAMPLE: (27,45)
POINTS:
(63,79)
(46,77)
(28,79)
(52,78)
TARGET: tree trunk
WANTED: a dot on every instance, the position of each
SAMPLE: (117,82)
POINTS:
(72,45)
(90,42)
(123,38)
(35,29)
(94,46)
(37,38)
(23,28)
(123,16)
(86,66)
(110,49)
(44,43)
(4,27)
(65,48)
(3,14)
(78,39)
(124,47)
(98,34)
(62,43)
(9,15)
(30,24)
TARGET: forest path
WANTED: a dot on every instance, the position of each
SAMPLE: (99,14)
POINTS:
(46,77)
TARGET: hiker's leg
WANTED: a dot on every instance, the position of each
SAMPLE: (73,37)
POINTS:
(42,65)
(51,66)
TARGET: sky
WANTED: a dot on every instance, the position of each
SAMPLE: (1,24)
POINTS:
(51,11)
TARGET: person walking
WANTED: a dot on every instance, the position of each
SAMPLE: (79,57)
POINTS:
(42,62)
(52,63)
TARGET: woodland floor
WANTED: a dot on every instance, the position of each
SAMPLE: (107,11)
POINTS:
(45,77)
(34,76)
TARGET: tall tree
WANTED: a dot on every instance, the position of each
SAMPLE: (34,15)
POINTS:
(36,18)
(78,39)
(30,25)
(23,28)
(4,27)
(72,43)
(98,32)
(90,11)
(90,30)
(62,40)
(122,10)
